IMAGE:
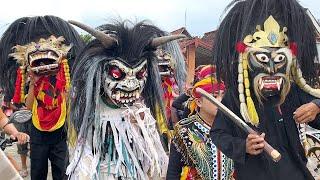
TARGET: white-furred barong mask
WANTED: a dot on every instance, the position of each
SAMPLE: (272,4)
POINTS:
(123,84)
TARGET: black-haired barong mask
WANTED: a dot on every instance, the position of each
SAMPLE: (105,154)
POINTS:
(117,106)
(269,58)
(266,61)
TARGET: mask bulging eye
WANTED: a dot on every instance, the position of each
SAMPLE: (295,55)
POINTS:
(142,73)
(115,73)
(279,58)
(262,57)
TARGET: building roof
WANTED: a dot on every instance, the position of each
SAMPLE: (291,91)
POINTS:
(208,37)
(204,45)
(181,30)
(205,42)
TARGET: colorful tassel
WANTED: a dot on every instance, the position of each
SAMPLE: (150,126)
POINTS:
(253,115)
(162,125)
(19,86)
(252,112)
(184,173)
(192,105)
(66,74)
(241,47)
(294,48)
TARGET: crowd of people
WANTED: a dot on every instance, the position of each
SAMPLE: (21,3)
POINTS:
(117,107)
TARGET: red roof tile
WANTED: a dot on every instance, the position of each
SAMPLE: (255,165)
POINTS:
(208,37)
(182,30)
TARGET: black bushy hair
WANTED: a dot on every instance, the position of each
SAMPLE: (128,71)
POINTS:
(242,18)
(28,29)
(133,43)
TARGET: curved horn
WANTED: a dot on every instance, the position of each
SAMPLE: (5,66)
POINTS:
(106,40)
(164,39)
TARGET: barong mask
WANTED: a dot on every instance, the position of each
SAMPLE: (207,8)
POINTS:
(166,63)
(42,45)
(119,67)
(171,66)
(172,70)
(266,61)
(171,63)
(123,83)
(124,76)
(42,57)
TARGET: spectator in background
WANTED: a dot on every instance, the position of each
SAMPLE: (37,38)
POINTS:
(179,109)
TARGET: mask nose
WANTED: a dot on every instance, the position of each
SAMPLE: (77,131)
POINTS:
(271,68)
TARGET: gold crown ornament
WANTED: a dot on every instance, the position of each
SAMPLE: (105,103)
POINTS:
(270,36)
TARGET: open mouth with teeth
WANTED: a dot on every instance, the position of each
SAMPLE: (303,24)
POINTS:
(42,62)
(123,98)
(164,68)
(270,83)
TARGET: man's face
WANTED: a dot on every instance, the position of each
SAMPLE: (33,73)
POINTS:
(208,107)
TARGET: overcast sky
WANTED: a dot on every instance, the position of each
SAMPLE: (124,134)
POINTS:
(201,15)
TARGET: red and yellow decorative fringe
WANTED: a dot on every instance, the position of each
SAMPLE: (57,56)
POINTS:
(56,104)
(58,116)
(62,86)
(19,86)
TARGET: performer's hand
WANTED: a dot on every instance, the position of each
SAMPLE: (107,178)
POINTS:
(255,144)
(133,118)
(188,90)
(306,113)
(33,77)
(23,108)
(21,137)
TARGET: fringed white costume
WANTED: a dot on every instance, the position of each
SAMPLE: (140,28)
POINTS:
(132,147)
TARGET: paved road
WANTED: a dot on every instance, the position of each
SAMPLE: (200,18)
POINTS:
(13,152)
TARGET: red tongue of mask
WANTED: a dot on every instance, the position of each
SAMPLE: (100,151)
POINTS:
(271,86)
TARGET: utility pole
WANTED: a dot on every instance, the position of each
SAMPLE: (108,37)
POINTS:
(185,18)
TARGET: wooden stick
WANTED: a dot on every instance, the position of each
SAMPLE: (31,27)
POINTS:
(273,153)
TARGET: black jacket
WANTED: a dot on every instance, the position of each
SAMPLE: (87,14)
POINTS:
(281,133)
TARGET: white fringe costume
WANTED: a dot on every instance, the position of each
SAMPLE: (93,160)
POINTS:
(136,151)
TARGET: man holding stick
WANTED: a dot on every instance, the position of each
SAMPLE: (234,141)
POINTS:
(275,45)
